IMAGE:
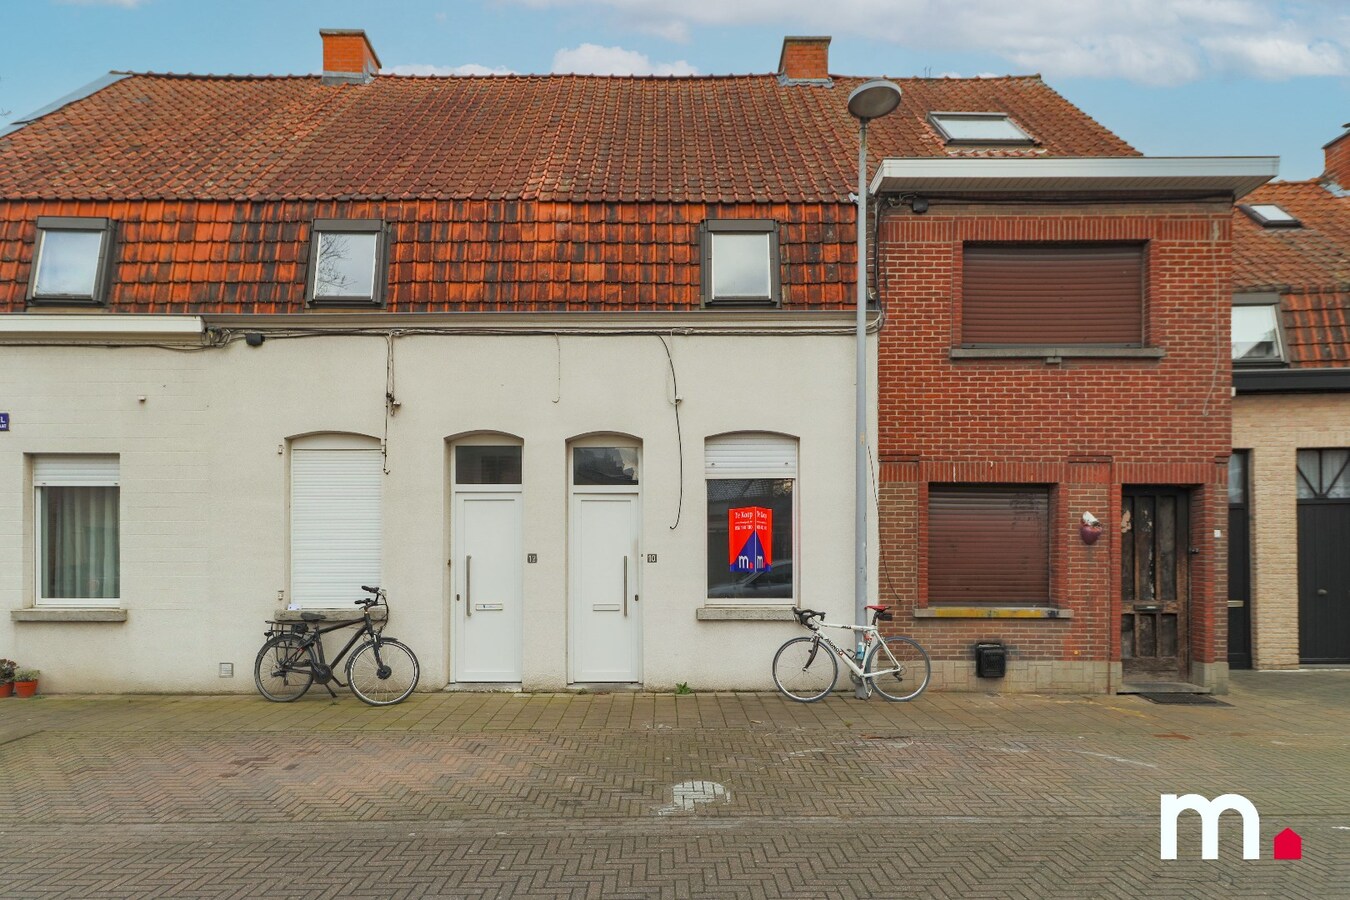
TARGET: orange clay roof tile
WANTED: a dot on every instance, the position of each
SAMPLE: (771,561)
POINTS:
(556,137)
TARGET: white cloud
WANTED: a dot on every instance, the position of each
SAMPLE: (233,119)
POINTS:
(466,69)
(1150,41)
(592,59)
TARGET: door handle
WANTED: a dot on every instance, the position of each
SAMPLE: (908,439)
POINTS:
(468,585)
(625,585)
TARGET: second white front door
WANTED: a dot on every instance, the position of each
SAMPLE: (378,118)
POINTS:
(488,600)
(605,596)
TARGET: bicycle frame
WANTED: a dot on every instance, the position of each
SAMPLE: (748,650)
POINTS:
(868,633)
(324,671)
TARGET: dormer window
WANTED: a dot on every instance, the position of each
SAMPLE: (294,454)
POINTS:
(347,262)
(1270,215)
(978,128)
(740,262)
(1256,330)
(70,263)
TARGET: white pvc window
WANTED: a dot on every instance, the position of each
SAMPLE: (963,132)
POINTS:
(337,519)
(78,536)
(751,472)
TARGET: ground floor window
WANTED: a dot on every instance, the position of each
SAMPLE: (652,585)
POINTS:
(78,535)
(337,518)
(989,544)
(751,481)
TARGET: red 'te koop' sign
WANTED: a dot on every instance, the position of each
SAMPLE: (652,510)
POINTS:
(750,541)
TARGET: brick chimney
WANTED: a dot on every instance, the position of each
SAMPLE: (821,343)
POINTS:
(805,60)
(348,57)
(1338,159)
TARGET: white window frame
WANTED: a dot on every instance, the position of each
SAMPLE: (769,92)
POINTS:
(49,224)
(84,470)
(733,457)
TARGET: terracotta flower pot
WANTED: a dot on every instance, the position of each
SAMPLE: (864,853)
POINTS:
(25,688)
(6,688)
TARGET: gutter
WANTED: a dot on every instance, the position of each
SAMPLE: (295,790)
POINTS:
(1292,381)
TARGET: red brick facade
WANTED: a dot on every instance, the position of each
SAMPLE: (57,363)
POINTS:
(1085,427)
(1337,155)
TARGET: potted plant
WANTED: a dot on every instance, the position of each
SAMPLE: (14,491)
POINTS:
(25,682)
(7,669)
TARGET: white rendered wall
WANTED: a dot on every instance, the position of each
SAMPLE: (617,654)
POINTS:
(204,487)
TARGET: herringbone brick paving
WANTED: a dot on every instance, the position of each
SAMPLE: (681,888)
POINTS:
(498,795)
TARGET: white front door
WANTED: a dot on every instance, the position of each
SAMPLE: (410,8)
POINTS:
(605,598)
(488,600)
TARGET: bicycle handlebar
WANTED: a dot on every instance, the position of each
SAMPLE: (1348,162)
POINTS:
(804,616)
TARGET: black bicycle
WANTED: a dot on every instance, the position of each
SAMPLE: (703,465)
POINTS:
(381,672)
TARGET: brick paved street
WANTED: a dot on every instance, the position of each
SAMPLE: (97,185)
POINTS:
(642,795)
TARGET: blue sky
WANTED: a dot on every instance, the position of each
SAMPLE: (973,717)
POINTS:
(1172,77)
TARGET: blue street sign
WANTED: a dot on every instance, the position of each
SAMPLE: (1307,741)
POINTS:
(4,421)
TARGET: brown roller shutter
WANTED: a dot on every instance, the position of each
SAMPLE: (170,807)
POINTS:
(1053,294)
(989,544)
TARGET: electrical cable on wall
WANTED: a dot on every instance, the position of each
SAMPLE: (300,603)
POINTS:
(391,403)
(679,436)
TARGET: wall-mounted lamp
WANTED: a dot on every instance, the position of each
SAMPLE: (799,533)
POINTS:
(919,205)
(254,339)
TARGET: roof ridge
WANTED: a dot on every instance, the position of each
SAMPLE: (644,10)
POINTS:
(767,76)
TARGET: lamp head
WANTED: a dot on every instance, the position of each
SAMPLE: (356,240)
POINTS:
(873,99)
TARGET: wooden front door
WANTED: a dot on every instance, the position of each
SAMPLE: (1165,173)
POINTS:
(1155,583)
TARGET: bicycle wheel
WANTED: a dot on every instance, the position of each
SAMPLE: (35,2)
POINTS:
(382,672)
(903,679)
(283,671)
(804,669)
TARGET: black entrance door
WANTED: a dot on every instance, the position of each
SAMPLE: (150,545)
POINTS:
(1324,556)
(1239,564)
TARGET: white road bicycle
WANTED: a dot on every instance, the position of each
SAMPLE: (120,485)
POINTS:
(806,668)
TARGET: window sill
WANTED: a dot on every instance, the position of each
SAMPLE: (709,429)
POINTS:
(86,614)
(746,613)
(993,612)
(1058,353)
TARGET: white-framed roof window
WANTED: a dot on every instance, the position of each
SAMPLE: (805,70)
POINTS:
(978,128)
(1257,337)
(1270,215)
(740,262)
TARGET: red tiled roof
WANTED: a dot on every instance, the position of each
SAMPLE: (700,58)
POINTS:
(730,139)
(1309,265)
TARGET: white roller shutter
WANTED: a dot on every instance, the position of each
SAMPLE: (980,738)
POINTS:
(337,524)
(72,470)
(751,456)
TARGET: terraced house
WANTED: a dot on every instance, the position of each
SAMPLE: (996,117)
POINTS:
(1289,490)
(516,348)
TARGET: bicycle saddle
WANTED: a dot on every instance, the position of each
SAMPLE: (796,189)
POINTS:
(879,608)
(313,617)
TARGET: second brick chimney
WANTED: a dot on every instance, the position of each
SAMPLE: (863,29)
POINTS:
(348,57)
(805,60)
(1338,159)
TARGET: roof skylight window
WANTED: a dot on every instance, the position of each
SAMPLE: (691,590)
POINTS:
(70,264)
(1270,215)
(978,128)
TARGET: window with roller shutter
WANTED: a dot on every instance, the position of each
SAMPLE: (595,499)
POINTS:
(337,519)
(989,544)
(1053,295)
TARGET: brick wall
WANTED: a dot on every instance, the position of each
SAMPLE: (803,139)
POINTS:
(1085,427)
(805,58)
(1338,161)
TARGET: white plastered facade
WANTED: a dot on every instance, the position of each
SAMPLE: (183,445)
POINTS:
(203,440)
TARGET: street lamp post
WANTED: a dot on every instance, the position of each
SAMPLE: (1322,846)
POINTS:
(870,100)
